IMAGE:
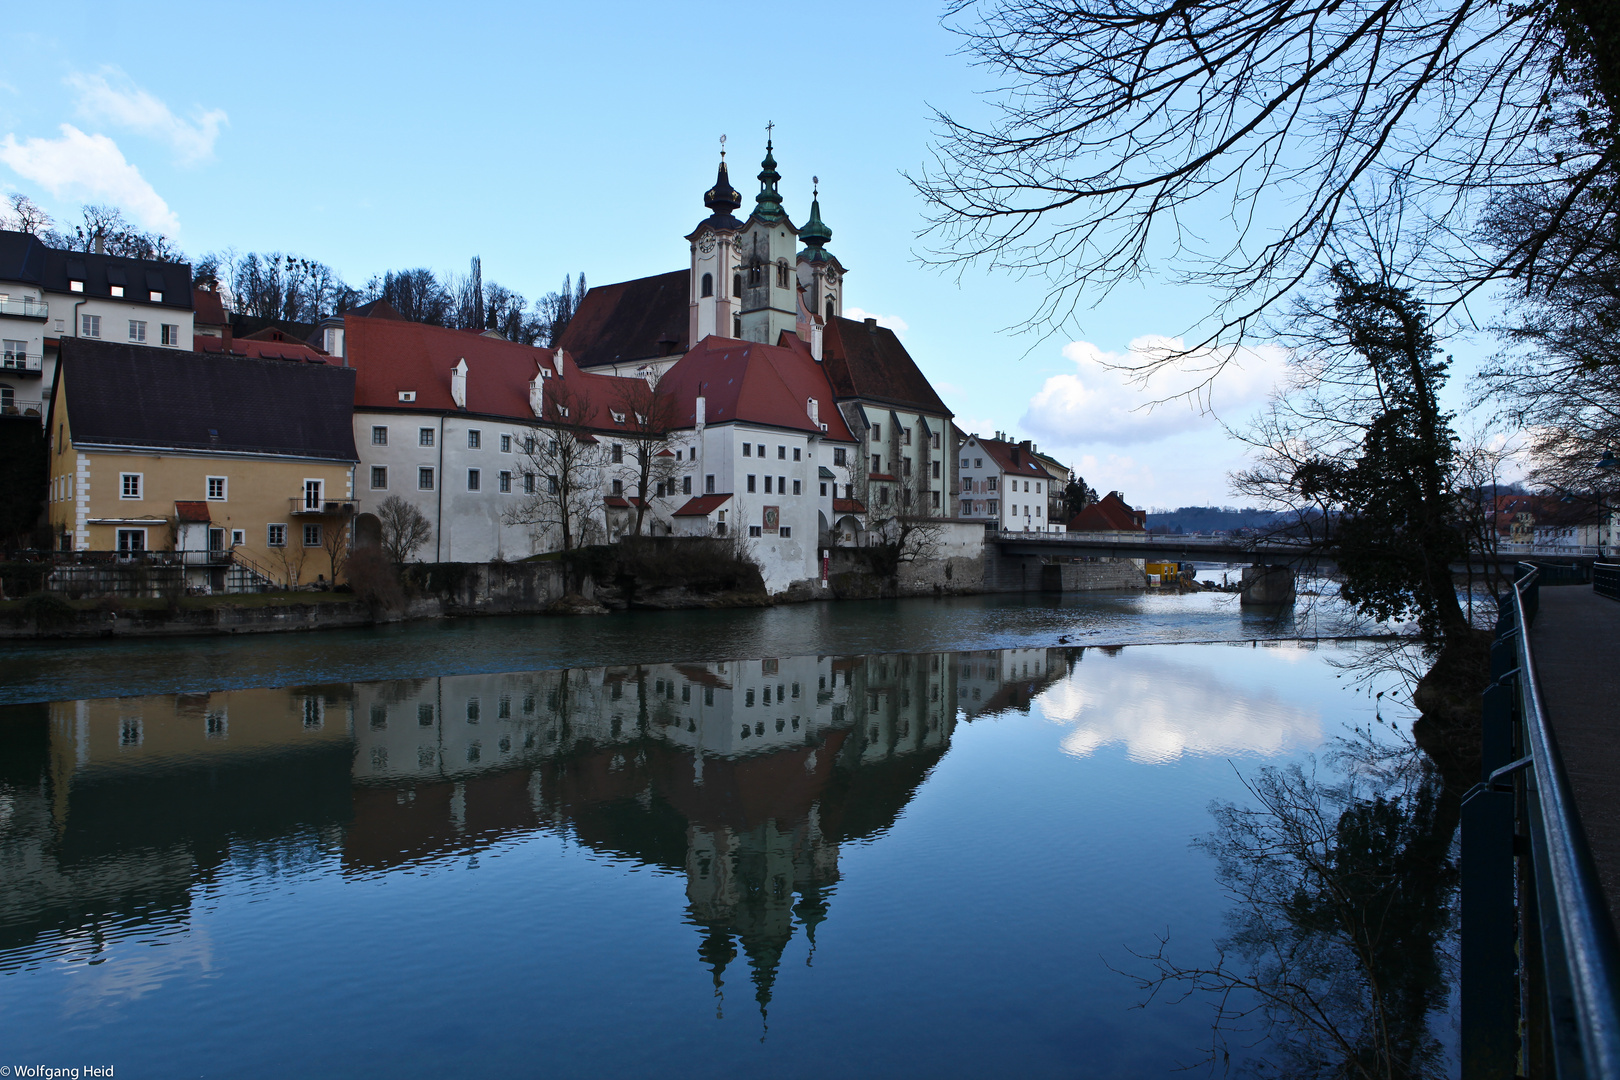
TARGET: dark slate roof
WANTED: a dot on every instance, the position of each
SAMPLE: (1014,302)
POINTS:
(247,325)
(134,395)
(25,258)
(630,320)
(865,360)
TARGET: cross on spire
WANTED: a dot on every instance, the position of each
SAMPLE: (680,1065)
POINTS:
(769,127)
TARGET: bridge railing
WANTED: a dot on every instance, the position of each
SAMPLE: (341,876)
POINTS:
(1536,932)
(1606,579)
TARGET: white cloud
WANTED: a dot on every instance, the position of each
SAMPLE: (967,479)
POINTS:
(112,97)
(1099,403)
(893,322)
(1116,473)
(1160,709)
(89,167)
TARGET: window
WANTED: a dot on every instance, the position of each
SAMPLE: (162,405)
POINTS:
(967,483)
(618,487)
(781,485)
(129,485)
(708,484)
(823,488)
(90,326)
(506,444)
(379,478)
(551,485)
(16,352)
(781,452)
(964,463)
(708,285)
(475,480)
(781,273)
(839,457)
(116,290)
(686,485)
(171,333)
(935,442)
(905,436)
(528,444)
(475,439)
(795,453)
(767,485)
(784,532)
(154,296)
(1037,487)
(754,530)
(760,449)
(276,536)
(750,481)
(238,537)
(795,487)
(936,470)
(312,534)
(505,482)
(990,485)
(736,284)
(748,449)
(379,435)
(935,495)
(528,483)
(877,463)
(312,494)
(905,466)
(424,436)
(216,489)
(617,453)
(137,329)
(978,463)
(883,496)
(131,541)
(1037,509)
(877,432)
(994,504)
(75,286)
(424,479)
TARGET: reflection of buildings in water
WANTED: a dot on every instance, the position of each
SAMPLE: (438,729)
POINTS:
(744,775)
(993,680)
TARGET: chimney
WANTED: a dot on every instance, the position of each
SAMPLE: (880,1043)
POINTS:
(98,245)
(815,340)
(558,360)
(537,394)
(702,402)
(871,325)
(458,383)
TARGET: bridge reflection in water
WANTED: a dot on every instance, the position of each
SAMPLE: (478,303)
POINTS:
(745,776)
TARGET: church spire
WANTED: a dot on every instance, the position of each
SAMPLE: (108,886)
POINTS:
(722,198)
(815,233)
(768,203)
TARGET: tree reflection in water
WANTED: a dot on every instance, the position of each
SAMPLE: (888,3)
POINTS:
(1340,952)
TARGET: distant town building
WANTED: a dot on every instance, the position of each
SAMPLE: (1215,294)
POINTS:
(1005,485)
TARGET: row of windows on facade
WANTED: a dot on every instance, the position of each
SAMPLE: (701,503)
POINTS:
(117,291)
(875,434)
(169,333)
(905,466)
(990,507)
(215,488)
(991,484)
(133,540)
(475,441)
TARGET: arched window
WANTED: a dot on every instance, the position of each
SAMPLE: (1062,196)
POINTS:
(755,273)
(781,273)
(708,285)
(829,308)
(736,284)
(736,326)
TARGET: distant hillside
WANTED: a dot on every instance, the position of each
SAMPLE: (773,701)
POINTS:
(1203,519)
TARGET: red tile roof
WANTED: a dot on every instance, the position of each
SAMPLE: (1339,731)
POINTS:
(848,506)
(621,502)
(755,383)
(702,505)
(631,320)
(259,349)
(192,511)
(207,308)
(1012,458)
(864,360)
(1109,514)
(391,356)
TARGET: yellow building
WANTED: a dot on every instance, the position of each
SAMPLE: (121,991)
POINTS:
(222,460)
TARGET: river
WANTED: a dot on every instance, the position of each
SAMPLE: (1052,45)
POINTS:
(917,838)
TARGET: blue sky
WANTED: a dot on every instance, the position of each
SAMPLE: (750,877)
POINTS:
(556,138)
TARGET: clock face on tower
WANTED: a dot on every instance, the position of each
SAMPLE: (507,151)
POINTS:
(706,245)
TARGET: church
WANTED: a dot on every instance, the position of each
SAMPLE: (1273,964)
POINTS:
(750,340)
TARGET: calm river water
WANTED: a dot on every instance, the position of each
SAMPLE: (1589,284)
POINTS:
(891,839)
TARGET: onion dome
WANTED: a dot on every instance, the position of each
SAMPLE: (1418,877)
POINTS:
(768,203)
(815,233)
(722,198)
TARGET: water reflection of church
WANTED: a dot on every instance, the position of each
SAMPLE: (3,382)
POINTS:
(745,775)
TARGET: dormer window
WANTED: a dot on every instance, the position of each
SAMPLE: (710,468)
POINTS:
(618,418)
(75,286)
(117,290)
(155,296)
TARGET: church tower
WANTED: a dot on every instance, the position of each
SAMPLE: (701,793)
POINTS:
(820,274)
(714,278)
(769,283)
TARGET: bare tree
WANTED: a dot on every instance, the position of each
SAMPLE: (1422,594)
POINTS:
(1125,129)
(556,310)
(404,528)
(562,483)
(648,413)
(335,539)
(26,216)
(286,288)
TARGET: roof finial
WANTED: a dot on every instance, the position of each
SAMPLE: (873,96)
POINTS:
(769,127)
(722,148)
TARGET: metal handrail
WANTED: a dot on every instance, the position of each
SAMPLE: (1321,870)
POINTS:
(1584,958)
(1606,579)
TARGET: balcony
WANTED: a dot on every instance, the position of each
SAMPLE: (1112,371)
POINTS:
(19,363)
(27,307)
(305,507)
(16,406)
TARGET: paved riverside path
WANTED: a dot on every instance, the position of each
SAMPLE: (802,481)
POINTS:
(1575,643)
